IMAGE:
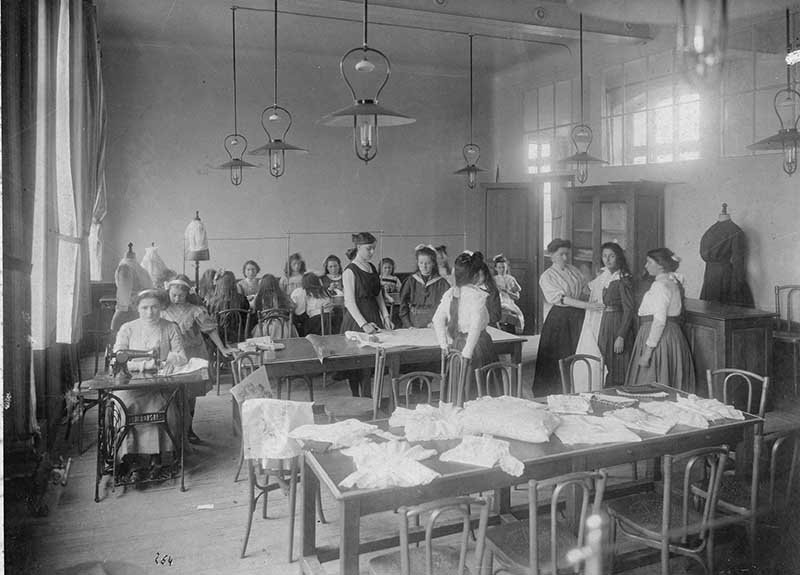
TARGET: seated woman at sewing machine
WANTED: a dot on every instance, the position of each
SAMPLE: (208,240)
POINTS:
(140,452)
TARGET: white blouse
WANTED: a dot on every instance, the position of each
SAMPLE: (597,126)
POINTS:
(556,283)
(311,306)
(473,316)
(662,300)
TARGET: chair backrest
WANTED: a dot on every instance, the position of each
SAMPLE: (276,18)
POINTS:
(567,368)
(276,323)
(583,482)
(706,464)
(787,305)
(244,364)
(377,380)
(433,511)
(499,377)
(455,370)
(325,319)
(402,386)
(232,326)
(727,385)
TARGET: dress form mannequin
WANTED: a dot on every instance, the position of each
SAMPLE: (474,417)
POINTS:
(723,247)
(130,278)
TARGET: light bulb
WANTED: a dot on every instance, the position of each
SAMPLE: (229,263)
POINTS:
(366,135)
(583,171)
(236,175)
(276,162)
(789,158)
(471,179)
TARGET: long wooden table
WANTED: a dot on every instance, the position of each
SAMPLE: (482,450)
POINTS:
(541,461)
(300,358)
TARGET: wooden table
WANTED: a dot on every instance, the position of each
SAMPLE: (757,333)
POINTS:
(300,358)
(109,438)
(541,461)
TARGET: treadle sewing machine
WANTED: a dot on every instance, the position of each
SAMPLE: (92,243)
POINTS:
(120,359)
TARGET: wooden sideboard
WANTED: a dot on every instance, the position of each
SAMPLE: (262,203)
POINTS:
(728,336)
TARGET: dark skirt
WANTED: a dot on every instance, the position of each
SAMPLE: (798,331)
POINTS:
(360,380)
(671,362)
(617,363)
(559,339)
(484,352)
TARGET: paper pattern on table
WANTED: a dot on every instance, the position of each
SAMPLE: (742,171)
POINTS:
(340,434)
(592,430)
(484,451)
(408,337)
(388,464)
(427,422)
(508,416)
(266,424)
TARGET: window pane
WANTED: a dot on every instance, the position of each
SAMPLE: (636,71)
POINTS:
(531,110)
(612,149)
(635,138)
(564,103)
(533,149)
(635,98)
(613,222)
(689,122)
(546,107)
(613,102)
(660,95)
(662,125)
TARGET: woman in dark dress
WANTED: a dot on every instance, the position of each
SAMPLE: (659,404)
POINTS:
(365,309)
(615,338)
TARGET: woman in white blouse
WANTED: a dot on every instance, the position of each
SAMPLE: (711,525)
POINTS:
(565,292)
(661,353)
(461,319)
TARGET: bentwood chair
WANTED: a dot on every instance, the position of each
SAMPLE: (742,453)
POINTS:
(242,366)
(435,559)
(232,329)
(787,329)
(408,387)
(499,378)
(540,546)
(285,479)
(78,399)
(567,365)
(362,408)
(455,374)
(276,323)
(666,518)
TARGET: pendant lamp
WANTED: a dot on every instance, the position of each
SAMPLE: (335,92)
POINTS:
(366,115)
(787,107)
(471,151)
(236,143)
(276,147)
(581,134)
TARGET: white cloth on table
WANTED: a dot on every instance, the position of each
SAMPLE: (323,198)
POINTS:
(634,418)
(508,416)
(591,430)
(266,424)
(388,464)
(672,411)
(484,451)
(427,422)
(568,404)
(340,434)
(194,364)
(407,337)
(712,409)
(609,399)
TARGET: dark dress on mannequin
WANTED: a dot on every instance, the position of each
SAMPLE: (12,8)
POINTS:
(617,322)
(367,289)
(723,248)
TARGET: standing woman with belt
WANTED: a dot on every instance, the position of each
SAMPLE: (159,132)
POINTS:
(565,292)
(365,309)
(661,353)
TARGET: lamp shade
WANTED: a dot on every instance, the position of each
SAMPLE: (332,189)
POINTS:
(196,241)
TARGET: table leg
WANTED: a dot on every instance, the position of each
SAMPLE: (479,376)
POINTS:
(349,536)
(308,517)
(101,410)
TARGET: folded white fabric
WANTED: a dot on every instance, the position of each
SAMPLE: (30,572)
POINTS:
(267,423)
(194,364)
(508,416)
(340,434)
(568,404)
(427,422)
(612,400)
(484,451)
(590,429)
(712,409)
(641,420)
(388,464)
(674,413)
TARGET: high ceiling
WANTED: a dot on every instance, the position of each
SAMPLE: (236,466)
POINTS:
(430,32)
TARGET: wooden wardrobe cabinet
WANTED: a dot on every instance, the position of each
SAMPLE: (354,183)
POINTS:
(628,213)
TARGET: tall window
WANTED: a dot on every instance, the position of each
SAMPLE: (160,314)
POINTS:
(754,71)
(650,114)
(549,118)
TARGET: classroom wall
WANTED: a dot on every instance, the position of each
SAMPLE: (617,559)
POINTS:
(761,198)
(170,107)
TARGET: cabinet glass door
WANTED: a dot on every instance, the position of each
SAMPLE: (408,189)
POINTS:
(614,223)
(582,234)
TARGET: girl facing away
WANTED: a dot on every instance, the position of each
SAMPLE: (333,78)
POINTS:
(310,301)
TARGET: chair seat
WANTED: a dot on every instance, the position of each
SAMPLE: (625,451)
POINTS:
(778,422)
(642,513)
(445,561)
(510,544)
(734,495)
(349,407)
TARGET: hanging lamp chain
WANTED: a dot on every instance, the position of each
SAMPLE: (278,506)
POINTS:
(580,40)
(275,50)
(365,23)
(233,35)
(788,50)
(470,88)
